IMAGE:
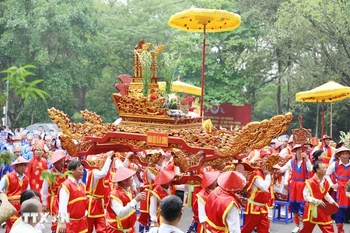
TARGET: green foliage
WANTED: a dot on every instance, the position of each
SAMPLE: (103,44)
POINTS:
(51,176)
(345,137)
(6,157)
(18,82)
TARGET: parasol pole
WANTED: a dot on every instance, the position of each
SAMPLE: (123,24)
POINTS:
(331,121)
(203,69)
(322,119)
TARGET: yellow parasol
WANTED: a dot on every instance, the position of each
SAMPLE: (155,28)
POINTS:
(204,20)
(179,86)
(328,92)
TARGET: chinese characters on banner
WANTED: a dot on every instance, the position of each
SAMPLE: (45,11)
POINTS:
(157,139)
(226,115)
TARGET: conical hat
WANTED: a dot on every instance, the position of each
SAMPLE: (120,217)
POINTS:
(290,140)
(324,137)
(232,181)
(164,177)
(19,160)
(341,149)
(57,155)
(122,174)
(296,146)
(209,178)
(170,166)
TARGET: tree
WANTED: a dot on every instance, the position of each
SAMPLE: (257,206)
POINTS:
(21,88)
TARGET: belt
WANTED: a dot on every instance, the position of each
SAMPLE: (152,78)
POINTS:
(256,203)
(95,197)
(119,229)
(14,201)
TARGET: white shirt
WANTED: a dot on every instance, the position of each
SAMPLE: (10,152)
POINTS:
(153,206)
(45,191)
(99,174)
(331,170)
(23,227)
(202,215)
(285,152)
(262,184)
(165,228)
(120,210)
(288,167)
(64,197)
(233,220)
(4,184)
(307,194)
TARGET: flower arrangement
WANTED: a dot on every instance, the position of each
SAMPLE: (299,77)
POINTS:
(169,69)
(145,58)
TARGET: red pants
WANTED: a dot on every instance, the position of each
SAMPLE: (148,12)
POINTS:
(143,218)
(308,227)
(260,221)
(99,223)
(74,226)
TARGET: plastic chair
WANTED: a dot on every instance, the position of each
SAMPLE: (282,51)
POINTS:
(288,217)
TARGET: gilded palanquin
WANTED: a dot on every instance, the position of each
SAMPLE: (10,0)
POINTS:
(145,125)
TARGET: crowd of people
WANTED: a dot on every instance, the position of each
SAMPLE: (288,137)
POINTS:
(113,197)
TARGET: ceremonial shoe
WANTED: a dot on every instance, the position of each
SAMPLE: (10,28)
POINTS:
(296,229)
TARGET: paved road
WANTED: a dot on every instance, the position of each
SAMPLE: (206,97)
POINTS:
(275,227)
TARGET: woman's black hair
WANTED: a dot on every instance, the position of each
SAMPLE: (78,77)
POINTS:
(316,155)
(28,194)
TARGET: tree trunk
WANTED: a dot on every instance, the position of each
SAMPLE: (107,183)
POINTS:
(80,94)
(279,82)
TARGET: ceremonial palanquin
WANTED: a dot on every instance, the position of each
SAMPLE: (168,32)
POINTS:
(147,125)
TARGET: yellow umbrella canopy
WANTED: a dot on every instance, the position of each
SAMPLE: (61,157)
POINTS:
(328,92)
(179,86)
(215,20)
(204,20)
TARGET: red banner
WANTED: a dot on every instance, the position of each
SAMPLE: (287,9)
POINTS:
(226,115)
(157,139)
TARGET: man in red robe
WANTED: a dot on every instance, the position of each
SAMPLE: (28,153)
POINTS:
(72,201)
(96,188)
(164,187)
(341,171)
(148,177)
(208,184)
(259,197)
(13,184)
(50,189)
(37,164)
(315,194)
(121,213)
(222,206)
